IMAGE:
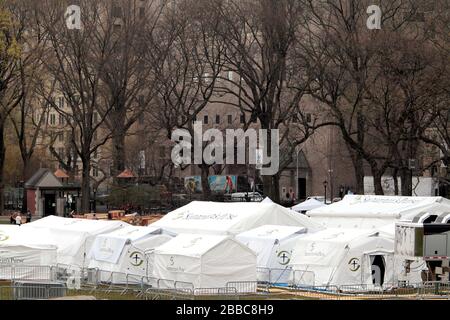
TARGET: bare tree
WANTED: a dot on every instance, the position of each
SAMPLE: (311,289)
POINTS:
(29,117)
(129,87)
(187,59)
(349,58)
(78,60)
(11,93)
(264,51)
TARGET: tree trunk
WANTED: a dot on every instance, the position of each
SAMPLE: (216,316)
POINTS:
(118,142)
(406,187)
(205,182)
(377,175)
(270,190)
(359,175)
(276,188)
(358,166)
(395,177)
(26,162)
(85,186)
(2,165)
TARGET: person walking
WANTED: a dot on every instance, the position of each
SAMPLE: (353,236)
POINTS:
(29,216)
(12,218)
(18,219)
(293,199)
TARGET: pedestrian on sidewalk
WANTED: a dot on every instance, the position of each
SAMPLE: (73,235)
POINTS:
(18,220)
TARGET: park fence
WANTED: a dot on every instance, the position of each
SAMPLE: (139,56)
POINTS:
(21,282)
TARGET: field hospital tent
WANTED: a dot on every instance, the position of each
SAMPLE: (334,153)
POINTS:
(230,218)
(126,251)
(19,249)
(371,212)
(273,246)
(339,257)
(267,200)
(204,261)
(72,237)
(308,205)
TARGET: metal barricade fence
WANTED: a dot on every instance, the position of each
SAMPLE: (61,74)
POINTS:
(104,277)
(228,292)
(302,278)
(150,282)
(435,288)
(165,284)
(328,292)
(244,287)
(65,273)
(273,276)
(26,272)
(364,291)
(168,294)
(301,282)
(22,272)
(183,285)
(6,272)
(263,275)
(90,277)
(37,291)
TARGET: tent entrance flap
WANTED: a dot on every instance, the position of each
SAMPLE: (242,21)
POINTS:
(378,268)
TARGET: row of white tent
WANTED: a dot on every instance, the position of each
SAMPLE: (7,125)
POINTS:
(210,244)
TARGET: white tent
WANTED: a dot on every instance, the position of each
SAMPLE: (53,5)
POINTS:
(273,246)
(205,261)
(372,212)
(339,257)
(72,237)
(125,251)
(267,200)
(231,218)
(307,205)
(21,249)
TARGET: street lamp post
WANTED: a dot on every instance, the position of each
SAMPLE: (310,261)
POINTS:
(325,183)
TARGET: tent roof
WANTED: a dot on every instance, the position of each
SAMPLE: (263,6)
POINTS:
(194,245)
(230,218)
(307,205)
(76,225)
(18,236)
(272,232)
(267,200)
(337,235)
(127,173)
(61,174)
(376,206)
(132,233)
(39,176)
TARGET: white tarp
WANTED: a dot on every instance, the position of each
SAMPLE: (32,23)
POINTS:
(72,237)
(267,200)
(307,205)
(205,261)
(342,257)
(125,251)
(372,212)
(19,249)
(231,218)
(273,246)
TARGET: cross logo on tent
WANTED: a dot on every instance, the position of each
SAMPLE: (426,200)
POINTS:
(354,264)
(136,259)
(284,257)
(3,237)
